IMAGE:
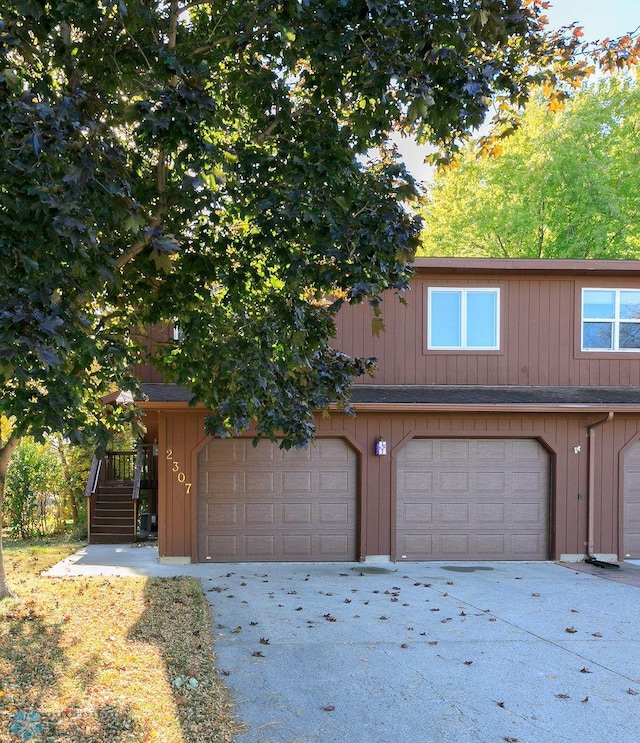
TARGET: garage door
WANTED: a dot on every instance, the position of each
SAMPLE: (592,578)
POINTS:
(478,499)
(631,512)
(262,503)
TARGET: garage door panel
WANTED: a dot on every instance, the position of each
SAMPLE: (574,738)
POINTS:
(490,482)
(491,514)
(483,499)
(265,504)
(453,482)
(454,545)
(631,505)
(490,545)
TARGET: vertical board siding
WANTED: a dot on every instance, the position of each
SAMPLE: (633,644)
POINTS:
(559,433)
(540,338)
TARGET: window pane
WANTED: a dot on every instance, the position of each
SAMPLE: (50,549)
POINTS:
(597,335)
(445,319)
(630,305)
(599,304)
(629,335)
(481,320)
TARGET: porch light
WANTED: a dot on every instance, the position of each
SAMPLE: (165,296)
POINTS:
(381,447)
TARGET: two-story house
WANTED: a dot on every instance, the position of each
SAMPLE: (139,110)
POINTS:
(503,424)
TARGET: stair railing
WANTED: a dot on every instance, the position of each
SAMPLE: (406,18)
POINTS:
(94,476)
(137,472)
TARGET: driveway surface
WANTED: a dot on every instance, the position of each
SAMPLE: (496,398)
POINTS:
(423,652)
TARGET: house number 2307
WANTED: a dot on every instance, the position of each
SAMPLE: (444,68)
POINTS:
(180,476)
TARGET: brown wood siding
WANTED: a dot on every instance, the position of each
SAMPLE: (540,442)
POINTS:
(540,337)
(183,433)
(146,372)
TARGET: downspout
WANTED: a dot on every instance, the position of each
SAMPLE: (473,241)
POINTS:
(591,507)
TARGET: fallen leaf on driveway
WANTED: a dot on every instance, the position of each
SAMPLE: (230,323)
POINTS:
(633,692)
(585,670)
(264,640)
(571,630)
(257,654)
(562,696)
(597,634)
(329,708)
(536,595)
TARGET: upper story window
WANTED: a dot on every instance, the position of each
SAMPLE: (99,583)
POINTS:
(463,319)
(611,319)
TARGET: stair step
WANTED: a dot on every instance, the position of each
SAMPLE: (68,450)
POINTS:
(108,520)
(112,528)
(112,538)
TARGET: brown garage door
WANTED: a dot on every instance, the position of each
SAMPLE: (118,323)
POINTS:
(631,513)
(480,499)
(265,504)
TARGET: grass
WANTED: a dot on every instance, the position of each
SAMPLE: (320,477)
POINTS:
(123,660)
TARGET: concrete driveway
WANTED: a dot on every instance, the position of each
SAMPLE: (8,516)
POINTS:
(424,652)
(428,653)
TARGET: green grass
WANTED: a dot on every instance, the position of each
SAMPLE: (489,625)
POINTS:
(95,659)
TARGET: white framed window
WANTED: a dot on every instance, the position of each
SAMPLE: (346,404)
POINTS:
(463,319)
(611,320)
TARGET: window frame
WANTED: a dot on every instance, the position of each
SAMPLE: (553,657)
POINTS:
(616,321)
(463,291)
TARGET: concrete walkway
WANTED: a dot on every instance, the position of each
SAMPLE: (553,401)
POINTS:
(417,653)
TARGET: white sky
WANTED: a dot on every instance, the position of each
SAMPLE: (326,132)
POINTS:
(599,18)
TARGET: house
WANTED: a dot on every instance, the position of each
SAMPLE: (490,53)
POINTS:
(503,424)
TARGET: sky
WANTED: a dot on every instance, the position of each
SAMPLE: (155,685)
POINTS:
(599,18)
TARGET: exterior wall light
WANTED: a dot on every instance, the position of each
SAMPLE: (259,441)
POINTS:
(381,447)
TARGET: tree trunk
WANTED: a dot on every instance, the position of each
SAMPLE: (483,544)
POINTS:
(6,452)
(66,471)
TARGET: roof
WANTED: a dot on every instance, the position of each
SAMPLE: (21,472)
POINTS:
(527,266)
(505,398)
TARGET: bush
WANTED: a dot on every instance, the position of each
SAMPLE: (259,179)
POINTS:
(34,481)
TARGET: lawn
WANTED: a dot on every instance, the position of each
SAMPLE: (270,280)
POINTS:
(106,660)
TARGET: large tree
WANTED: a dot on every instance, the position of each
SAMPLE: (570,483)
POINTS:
(564,185)
(225,163)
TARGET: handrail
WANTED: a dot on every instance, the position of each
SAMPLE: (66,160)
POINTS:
(137,472)
(94,476)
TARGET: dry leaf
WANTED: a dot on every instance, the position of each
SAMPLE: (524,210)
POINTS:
(329,708)
(633,692)
(571,630)
(536,595)
(596,634)
(500,704)
(257,654)
(264,641)
(562,696)
(585,670)
(586,699)
(404,645)
(468,662)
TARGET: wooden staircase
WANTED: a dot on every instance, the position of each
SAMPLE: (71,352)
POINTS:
(113,514)
(113,491)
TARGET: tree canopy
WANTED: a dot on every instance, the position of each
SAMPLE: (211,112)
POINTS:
(227,164)
(563,186)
